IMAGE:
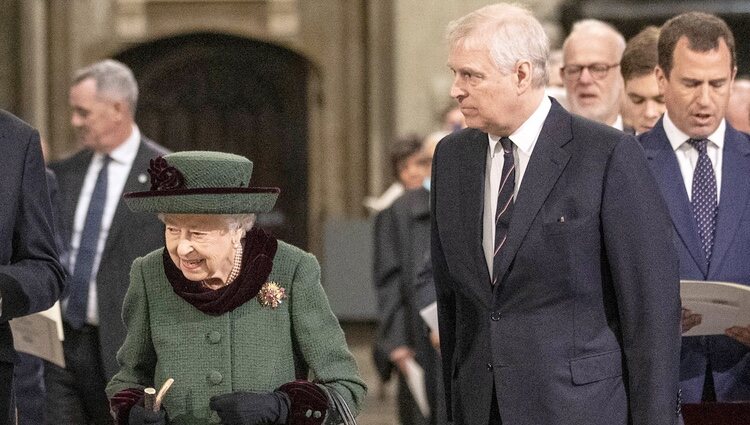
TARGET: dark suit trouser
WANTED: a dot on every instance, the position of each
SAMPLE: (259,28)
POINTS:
(28,385)
(7,409)
(75,395)
(494,410)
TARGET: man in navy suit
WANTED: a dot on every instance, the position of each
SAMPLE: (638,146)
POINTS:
(702,166)
(102,99)
(555,273)
(31,277)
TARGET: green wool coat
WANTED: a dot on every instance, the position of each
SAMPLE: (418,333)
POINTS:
(247,349)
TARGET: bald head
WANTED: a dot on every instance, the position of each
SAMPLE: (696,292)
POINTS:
(591,53)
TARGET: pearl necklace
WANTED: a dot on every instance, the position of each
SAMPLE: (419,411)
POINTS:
(232,274)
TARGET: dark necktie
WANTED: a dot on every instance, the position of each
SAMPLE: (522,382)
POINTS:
(704,199)
(504,209)
(75,313)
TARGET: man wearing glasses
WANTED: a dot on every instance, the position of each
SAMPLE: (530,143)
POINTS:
(593,87)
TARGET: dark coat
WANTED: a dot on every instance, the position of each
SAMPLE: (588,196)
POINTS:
(31,277)
(583,327)
(131,235)
(730,261)
(402,236)
(252,348)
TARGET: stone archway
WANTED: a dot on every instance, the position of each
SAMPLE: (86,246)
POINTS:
(208,91)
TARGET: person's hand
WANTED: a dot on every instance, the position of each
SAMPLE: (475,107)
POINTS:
(740,333)
(246,408)
(690,319)
(399,356)
(435,340)
(140,416)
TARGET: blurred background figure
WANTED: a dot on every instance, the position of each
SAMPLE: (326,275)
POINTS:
(642,104)
(452,118)
(408,165)
(591,54)
(102,236)
(401,236)
(738,111)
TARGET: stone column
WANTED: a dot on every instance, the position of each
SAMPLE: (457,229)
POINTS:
(9,72)
(334,35)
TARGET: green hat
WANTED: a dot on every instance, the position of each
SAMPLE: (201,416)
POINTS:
(202,182)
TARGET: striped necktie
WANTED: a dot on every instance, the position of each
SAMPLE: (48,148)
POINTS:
(504,209)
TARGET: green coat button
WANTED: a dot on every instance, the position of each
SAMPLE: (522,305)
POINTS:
(214,337)
(215,377)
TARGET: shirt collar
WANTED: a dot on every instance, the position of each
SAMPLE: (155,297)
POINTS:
(677,138)
(526,135)
(126,152)
(618,124)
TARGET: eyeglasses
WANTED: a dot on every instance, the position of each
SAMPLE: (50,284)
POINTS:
(598,71)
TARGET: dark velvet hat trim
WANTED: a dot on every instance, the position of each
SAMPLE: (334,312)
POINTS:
(203,191)
(257,262)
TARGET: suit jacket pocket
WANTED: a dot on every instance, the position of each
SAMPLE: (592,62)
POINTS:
(566,224)
(597,367)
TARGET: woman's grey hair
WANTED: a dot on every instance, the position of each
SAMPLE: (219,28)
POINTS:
(233,221)
(510,32)
(114,80)
(240,221)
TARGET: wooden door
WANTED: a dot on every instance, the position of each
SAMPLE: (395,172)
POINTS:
(232,94)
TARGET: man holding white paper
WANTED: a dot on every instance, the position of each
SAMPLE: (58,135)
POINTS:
(701,164)
(31,277)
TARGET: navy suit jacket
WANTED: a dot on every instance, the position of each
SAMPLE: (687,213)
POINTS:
(131,235)
(31,278)
(583,327)
(730,260)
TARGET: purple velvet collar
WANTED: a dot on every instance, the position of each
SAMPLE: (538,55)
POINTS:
(257,262)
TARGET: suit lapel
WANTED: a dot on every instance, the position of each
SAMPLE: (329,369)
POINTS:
(667,172)
(735,186)
(473,164)
(74,180)
(545,166)
(137,181)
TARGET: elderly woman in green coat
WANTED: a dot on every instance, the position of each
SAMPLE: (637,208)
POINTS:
(234,316)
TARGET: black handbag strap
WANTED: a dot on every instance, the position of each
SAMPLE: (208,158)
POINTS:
(339,412)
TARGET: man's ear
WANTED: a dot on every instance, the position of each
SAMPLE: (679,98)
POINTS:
(661,78)
(522,74)
(121,107)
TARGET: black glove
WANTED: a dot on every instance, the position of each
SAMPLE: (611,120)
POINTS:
(245,408)
(140,416)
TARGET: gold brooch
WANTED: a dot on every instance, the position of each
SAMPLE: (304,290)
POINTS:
(271,294)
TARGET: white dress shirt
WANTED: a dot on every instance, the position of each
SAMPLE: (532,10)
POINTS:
(618,124)
(524,139)
(687,155)
(117,174)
